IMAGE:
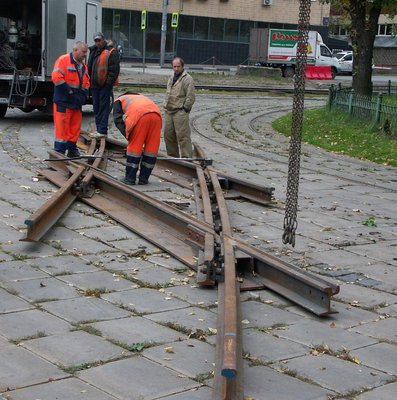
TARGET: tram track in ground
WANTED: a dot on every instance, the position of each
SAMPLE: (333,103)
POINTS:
(250,137)
(222,379)
(205,244)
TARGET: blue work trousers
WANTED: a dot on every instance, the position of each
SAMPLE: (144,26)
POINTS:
(101,102)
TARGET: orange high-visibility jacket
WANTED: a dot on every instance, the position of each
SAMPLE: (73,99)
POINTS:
(102,67)
(71,90)
(135,106)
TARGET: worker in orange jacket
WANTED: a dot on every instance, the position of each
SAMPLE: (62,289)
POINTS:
(70,77)
(140,121)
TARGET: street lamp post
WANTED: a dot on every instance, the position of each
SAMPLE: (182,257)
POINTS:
(163,33)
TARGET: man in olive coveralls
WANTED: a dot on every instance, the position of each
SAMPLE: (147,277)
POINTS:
(179,100)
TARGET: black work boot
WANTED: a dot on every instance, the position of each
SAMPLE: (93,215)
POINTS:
(73,153)
(147,165)
(131,170)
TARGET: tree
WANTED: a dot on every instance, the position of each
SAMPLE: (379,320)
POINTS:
(364,17)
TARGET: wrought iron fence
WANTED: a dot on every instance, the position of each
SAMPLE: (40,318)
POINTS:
(377,108)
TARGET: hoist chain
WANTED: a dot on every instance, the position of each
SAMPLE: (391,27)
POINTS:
(291,206)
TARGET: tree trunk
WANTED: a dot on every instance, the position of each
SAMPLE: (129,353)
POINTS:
(364,18)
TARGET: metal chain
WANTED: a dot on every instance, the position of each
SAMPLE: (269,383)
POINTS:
(291,206)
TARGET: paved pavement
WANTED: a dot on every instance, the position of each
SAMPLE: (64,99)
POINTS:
(150,334)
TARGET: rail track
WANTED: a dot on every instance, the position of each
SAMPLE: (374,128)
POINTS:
(206,243)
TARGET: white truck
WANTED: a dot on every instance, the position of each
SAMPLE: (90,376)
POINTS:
(277,48)
(33,34)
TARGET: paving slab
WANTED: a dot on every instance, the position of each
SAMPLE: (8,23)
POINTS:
(19,270)
(386,392)
(106,281)
(24,324)
(144,300)
(312,333)
(264,315)
(390,310)
(358,295)
(178,356)
(74,349)
(191,318)
(196,295)
(84,309)
(153,275)
(20,368)
(339,258)
(347,315)
(133,378)
(131,246)
(40,290)
(267,348)
(107,233)
(263,382)
(7,234)
(9,302)
(383,252)
(63,264)
(382,356)
(5,257)
(134,330)
(335,374)
(385,329)
(30,249)
(265,296)
(167,261)
(65,389)
(4,343)
(76,220)
(201,393)
(117,261)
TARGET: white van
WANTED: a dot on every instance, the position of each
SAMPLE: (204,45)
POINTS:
(343,62)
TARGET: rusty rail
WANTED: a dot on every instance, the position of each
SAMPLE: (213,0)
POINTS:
(41,221)
(205,244)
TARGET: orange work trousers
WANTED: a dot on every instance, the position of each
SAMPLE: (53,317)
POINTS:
(145,136)
(67,127)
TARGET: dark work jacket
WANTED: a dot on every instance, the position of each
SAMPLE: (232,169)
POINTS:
(113,66)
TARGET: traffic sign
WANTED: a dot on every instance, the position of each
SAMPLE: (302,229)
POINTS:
(143,19)
(174,20)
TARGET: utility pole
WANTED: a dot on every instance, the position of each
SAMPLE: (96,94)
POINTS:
(163,33)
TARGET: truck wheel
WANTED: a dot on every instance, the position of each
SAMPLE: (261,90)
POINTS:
(3,110)
(288,72)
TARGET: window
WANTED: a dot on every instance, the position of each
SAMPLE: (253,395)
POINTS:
(186,25)
(245,27)
(385,29)
(231,30)
(201,28)
(325,52)
(71,26)
(216,29)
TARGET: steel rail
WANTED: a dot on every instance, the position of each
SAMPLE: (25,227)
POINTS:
(159,223)
(260,269)
(227,88)
(182,173)
(41,221)
(212,207)
(302,287)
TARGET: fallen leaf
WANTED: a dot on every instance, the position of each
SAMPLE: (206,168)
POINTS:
(169,349)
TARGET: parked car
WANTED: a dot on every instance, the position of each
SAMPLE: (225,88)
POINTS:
(343,62)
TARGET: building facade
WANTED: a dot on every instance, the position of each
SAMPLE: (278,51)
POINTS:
(209,31)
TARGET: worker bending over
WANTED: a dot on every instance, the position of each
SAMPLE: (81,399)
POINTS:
(70,77)
(139,120)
